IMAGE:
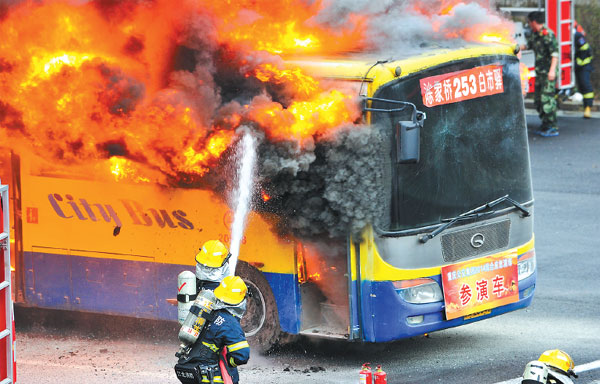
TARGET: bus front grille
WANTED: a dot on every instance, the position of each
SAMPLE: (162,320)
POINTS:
(475,241)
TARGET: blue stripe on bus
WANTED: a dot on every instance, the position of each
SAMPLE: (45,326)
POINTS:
(388,312)
(128,288)
(140,289)
(286,290)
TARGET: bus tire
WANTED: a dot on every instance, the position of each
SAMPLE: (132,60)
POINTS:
(261,320)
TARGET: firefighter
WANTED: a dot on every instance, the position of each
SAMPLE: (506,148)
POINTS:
(543,42)
(222,345)
(212,265)
(583,71)
(560,366)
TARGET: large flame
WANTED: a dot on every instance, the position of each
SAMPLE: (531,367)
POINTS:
(283,27)
(101,82)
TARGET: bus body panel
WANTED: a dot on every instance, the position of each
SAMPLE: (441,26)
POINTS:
(127,287)
(74,259)
(416,255)
(385,312)
(166,225)
(389,312)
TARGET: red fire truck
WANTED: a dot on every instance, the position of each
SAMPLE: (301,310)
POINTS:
(560,16)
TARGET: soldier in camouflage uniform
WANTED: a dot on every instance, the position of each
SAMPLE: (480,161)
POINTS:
(544,44)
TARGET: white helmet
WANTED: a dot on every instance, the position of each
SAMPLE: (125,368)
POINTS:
(536,372)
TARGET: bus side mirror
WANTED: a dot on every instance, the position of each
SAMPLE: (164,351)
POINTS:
(408,141)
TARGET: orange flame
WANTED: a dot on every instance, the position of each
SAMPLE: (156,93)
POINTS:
(198,161)
(525,76)
(123,169)
(79,96)
(74,95)
(301,263)
(304,119)
(282,28)
(500,36)
(290,41)
(314,111)
(304,85)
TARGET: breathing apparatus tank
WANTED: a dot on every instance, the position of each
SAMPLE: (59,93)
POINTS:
(186,294)
(195,321)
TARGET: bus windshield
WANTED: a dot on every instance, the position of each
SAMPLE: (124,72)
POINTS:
(471,151)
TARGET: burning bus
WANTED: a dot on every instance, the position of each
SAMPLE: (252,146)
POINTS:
(392,191)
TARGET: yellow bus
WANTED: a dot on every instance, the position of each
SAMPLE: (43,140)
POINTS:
(455,244)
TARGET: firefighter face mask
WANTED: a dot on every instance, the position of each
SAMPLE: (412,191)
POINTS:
(212,274)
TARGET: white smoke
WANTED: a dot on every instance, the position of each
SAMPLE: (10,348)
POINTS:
(398,25)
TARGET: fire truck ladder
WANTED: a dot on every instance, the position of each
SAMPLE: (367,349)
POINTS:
(560,15)
(7,366)
(566,42)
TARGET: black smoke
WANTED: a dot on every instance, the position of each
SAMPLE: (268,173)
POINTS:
(121,93)
(331,189)
(5,65)
(11,118)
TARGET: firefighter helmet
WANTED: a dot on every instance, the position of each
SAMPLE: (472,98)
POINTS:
(558,360)
(232,290)
(212,254)
(212,261)
(536,372)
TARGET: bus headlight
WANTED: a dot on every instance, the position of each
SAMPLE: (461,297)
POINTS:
(526,265)
(419,291)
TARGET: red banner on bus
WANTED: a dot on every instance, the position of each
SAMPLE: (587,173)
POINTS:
(462,85)
(481,284)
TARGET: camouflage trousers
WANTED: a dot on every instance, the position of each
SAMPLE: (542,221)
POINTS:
(545,100)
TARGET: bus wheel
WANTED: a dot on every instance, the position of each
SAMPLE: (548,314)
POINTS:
(261,320)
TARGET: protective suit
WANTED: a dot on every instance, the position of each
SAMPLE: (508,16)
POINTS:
(583,71)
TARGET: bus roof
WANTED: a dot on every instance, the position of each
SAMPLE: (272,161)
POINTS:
(377,71)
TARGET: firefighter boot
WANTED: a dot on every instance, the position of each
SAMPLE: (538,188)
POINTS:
(587,112)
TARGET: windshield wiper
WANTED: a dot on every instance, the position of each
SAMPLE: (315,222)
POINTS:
(475,213)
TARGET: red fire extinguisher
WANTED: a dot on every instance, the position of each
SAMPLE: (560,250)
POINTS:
(380,376)
(365,375)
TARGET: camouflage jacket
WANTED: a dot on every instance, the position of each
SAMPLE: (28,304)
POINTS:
(545,46)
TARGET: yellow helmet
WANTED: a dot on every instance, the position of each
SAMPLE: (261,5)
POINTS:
(212,254)
(232,290)
(557,359)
